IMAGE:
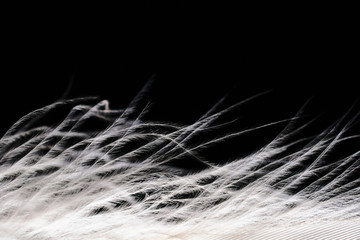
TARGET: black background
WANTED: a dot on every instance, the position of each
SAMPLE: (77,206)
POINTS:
(196,55)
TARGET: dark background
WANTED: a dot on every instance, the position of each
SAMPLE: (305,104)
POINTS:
(196,56)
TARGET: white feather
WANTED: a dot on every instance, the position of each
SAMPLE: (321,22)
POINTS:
(69,181)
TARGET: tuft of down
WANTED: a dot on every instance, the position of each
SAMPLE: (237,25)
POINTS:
(97,173)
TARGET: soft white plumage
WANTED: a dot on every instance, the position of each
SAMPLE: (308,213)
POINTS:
(110,174)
